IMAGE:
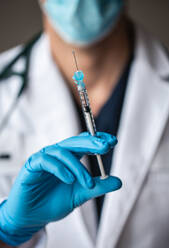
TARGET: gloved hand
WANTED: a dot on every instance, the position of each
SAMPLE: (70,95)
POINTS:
(51,184)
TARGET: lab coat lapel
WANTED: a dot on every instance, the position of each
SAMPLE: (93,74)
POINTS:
(61,122)
(144,116)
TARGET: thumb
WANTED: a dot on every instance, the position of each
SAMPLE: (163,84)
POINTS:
(102,186)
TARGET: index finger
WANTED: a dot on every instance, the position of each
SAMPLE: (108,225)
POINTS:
(83,144)
(111,139)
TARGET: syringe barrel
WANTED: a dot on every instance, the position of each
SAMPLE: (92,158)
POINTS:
(90,123)
(87,112)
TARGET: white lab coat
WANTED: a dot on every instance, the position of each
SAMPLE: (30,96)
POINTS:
(138,214)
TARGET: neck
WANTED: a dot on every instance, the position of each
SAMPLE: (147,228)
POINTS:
(102,63)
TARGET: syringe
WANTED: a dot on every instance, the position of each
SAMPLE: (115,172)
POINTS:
(78,78)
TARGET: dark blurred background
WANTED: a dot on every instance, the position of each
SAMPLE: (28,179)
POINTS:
(20,19)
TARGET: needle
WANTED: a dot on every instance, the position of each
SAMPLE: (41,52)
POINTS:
(74,55)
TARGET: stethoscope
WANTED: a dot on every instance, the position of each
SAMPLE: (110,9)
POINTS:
(8,72)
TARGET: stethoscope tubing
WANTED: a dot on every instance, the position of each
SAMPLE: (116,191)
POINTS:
(8,72)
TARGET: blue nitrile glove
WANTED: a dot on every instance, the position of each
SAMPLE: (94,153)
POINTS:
(51,184)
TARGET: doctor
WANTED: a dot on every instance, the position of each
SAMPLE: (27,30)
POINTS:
(127,77)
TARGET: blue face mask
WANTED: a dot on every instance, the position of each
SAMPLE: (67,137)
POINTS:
(83,22)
